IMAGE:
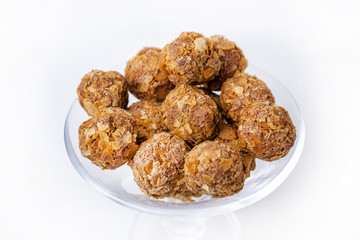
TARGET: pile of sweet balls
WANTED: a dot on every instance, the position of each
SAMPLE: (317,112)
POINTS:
(181,139)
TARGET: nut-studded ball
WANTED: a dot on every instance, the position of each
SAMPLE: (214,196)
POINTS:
(240,91)
(190,114)
(267,130)
(158,165)
(190,59)
(109,139)
(214,168)
(232,60)
(146,76)
(99,90)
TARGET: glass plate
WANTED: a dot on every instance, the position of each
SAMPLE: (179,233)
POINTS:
(119,185)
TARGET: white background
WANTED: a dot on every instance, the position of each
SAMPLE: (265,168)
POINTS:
(47,46)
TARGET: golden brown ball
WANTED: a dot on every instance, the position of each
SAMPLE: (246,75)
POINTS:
(99,90)
(109,139)
(240,91)
(190,114)
(214,168)
(158,165)
(146,76)
(267,130)
(190,59)
(232,60)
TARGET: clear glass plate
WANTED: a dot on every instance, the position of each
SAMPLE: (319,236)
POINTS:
(119,185)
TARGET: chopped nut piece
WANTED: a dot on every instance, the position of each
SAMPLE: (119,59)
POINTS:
(109,139)
(267,130)
(249,163)
(99,90)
